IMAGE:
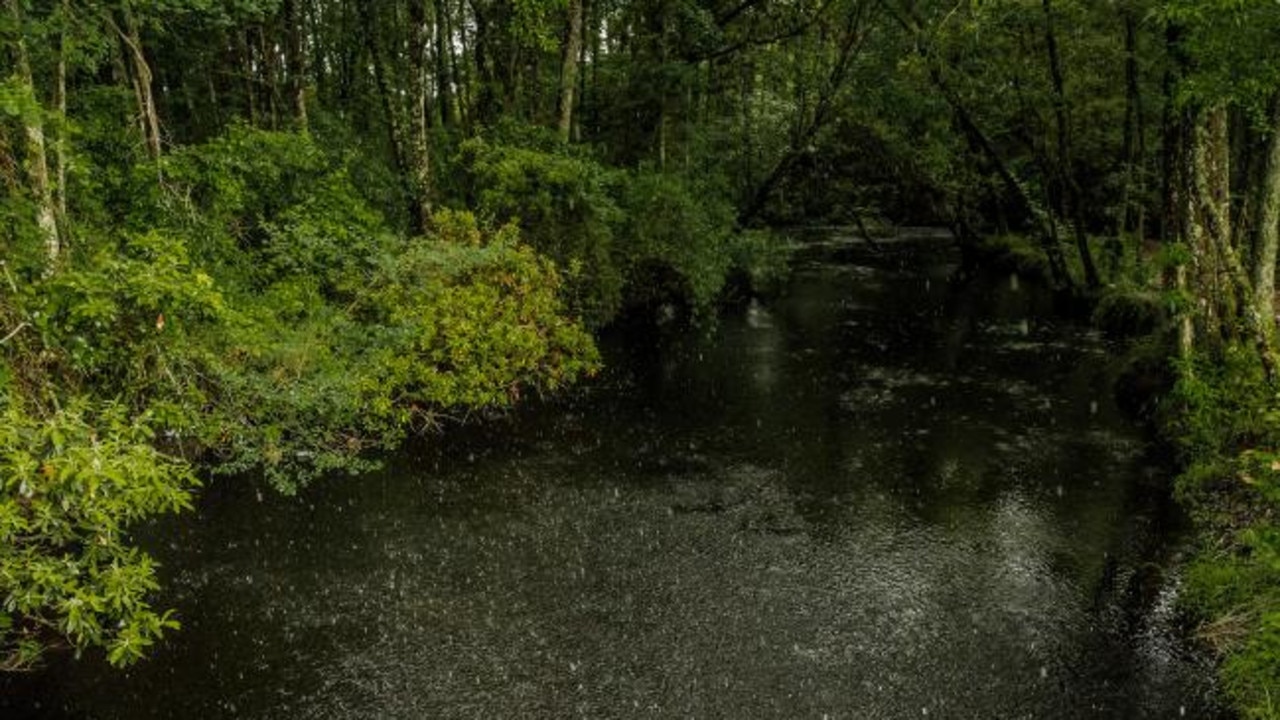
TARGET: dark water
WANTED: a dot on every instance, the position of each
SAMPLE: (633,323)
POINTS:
(893,493)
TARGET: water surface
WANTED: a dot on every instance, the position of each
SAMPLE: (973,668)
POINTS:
(895,492)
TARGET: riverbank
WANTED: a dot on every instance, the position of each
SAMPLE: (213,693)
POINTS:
(1224,419)
(1221,418)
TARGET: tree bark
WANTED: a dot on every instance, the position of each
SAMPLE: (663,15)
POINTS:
(142,82)
(1267,232)
(569,69)
(36,159)
(420,141)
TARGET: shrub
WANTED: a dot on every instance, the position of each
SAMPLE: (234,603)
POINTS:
(75,482)
(566,210)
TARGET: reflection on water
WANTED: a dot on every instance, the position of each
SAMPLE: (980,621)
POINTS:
(894,493)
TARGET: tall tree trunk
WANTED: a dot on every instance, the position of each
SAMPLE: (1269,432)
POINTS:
(60,101)
(581,96)
(142,82)
(419,151)
(392,109)
(1066,171)
(270,75)
(36,160)
(245,66)
(444,66)
(1267,232)
(296,61)
(462,68)
(1132,214)
(569,68)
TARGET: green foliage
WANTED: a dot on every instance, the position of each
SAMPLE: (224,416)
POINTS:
(1226,419)
(75,483)
(566,209)
(1130,313)
(443,327)
(1223,38)
(670,223)
(623,237)
(762,259)
(255,312)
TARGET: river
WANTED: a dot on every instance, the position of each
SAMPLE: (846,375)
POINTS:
(893,492)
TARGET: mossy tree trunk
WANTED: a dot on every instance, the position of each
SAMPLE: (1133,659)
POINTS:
(37,163)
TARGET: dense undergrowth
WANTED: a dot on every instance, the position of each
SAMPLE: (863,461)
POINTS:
(1225,419)
(243,304)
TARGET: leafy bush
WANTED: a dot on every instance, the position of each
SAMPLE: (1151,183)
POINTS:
(623,238)
(566,209)
(74,484)
(444,326)
(670,225)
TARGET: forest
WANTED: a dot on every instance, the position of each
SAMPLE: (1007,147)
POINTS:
(270,241)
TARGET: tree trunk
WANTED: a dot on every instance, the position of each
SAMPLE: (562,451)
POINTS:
(569,68)
(444,69)
(246,64)
(142,83)
(296,62)
(581,96)
(420,141)
(392,109)
(36,160)
(60,101)
(1134,148)
(1267,232)
(1066,173)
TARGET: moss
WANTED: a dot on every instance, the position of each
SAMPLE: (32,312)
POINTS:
(1129,313)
